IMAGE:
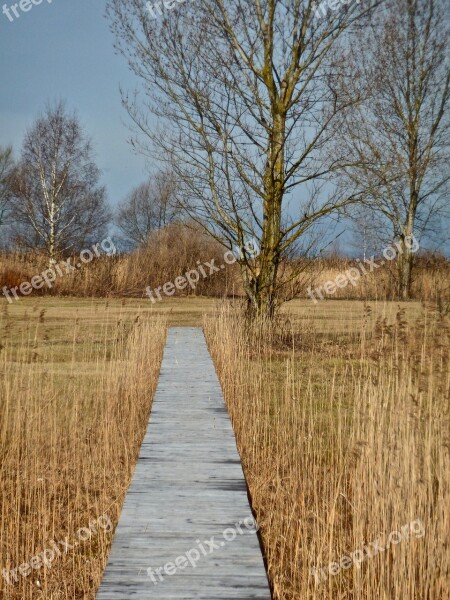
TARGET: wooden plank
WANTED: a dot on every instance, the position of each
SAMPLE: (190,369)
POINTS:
(188,487)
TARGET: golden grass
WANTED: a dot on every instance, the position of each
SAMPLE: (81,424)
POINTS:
(77,383)
(342,423)
(341,415)
(176,250)
(63,312)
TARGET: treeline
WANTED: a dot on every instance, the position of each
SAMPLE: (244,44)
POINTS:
(53,207)
(180,248)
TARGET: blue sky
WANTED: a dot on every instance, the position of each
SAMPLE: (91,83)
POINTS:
(64,50)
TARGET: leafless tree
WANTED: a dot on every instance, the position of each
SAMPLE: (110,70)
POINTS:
(398,137)
(57,205)
(247,101)
(149,207)
(370,233)
(6,170)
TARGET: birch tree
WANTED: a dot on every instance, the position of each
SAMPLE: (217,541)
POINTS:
(246,101)
(58,205)
(398,137)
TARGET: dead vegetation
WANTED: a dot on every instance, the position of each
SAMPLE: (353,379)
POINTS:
(76,395)
(344,439)
(178,249)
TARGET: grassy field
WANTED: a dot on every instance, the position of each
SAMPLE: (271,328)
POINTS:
(341,414)
(77,382)
(341,417)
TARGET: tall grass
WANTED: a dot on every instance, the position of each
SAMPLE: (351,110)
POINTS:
(344,441)
(175,250)
(169,253)
(76,395)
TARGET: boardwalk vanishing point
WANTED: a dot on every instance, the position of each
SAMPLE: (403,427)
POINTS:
(186,530)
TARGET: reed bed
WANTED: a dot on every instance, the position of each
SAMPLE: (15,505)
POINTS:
(76,395)
(172,252)
(345,445)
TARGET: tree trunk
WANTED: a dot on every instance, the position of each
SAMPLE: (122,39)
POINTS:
(261,291)
(405,262)
(52,234)
(264,301)
(405,271)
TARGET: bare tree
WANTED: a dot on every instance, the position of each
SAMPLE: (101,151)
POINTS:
(58,204)
(370,232)
(6,170)
(246,95)
(398,137)
(149,207)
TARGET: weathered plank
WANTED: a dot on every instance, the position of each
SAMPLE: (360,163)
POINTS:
(188,487)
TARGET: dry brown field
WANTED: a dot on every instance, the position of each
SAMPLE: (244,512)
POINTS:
(341,416)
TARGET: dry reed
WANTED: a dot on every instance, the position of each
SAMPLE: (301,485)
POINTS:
(172,252)
(75,403)
(344,440)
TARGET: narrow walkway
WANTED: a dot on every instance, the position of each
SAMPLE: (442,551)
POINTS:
(188,498)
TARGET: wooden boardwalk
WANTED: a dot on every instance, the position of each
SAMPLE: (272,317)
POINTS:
(188,495)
